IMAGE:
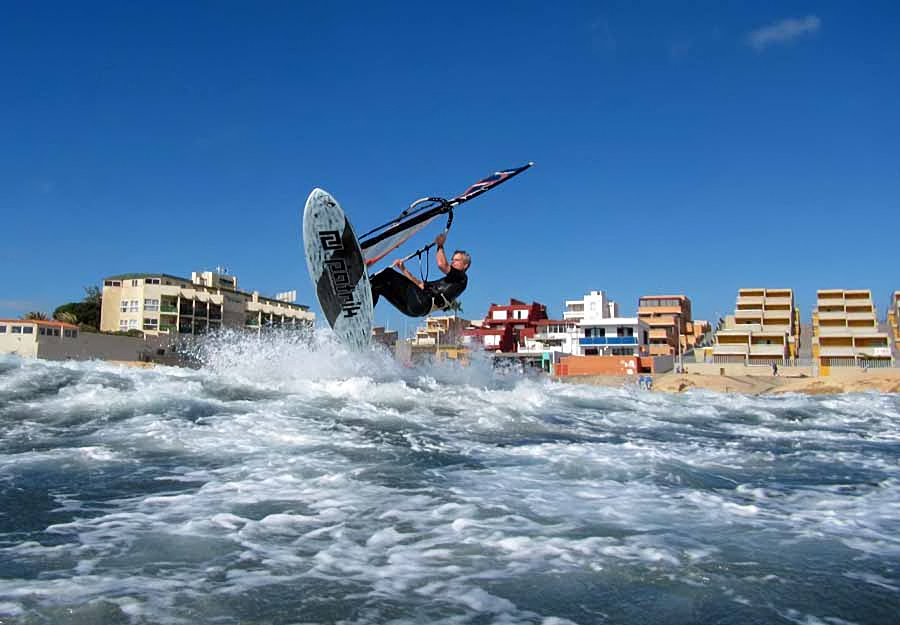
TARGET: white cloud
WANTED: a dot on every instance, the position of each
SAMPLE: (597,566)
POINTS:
(783,32)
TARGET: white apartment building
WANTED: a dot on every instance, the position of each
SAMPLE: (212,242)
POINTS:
(592,326)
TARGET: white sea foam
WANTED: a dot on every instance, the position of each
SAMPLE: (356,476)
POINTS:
(292,477)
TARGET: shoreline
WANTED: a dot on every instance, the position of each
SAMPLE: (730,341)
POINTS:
(851,381)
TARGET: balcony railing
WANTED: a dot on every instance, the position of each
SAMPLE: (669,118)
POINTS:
(731,349)
(608,340)
(168,309)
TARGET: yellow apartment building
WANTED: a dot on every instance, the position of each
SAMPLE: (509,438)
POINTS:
(764,329)
(158,303)
(893,317)
(440,335)
(845,331)
(672,328)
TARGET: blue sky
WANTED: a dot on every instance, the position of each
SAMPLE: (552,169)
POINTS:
(680,149)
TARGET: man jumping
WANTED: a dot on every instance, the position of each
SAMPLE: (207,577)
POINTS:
(416,298)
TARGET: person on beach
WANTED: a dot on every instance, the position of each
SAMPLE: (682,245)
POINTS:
(416,298)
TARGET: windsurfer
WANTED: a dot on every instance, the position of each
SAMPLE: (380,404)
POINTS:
(417,298)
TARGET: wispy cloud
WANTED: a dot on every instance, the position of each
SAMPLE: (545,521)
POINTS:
(783,32)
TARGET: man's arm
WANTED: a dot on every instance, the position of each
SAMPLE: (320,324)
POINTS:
(440,256)
(399,265)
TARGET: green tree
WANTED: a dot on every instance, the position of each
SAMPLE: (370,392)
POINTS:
(87,311)
(35,316)
(92,295)
(66,317)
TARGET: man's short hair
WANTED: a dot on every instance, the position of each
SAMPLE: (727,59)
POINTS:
(465,256)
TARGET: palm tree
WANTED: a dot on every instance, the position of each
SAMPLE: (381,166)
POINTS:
(67,317)
(35,316)
(455,306)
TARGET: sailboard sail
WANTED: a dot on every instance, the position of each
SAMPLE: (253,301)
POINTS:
(381,241)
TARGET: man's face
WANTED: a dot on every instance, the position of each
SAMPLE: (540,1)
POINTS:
(459,262)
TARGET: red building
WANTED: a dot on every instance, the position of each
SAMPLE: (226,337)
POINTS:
(506,327)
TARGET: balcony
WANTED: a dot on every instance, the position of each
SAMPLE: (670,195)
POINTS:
(726,349)
(835,351)
(826,314)
(750,300)
(166,327)
(767,350)
(608,340)
(876,352)
(166,308)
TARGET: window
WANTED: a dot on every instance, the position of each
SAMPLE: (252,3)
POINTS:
(499,315)
(55,331)
(123,305)
(17,329)
(594,332)
(2,329)
(123,325)
(135,282)
(151,324)
(151,280)
(42,330)
(70,333)
(151,304)
(133,305)
(28,330)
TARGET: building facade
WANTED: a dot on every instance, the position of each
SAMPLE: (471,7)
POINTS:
(845,330)
(506,327)
(764,329)
(673,330)
(34,338)
(893,318)
(54,340)
(164,304)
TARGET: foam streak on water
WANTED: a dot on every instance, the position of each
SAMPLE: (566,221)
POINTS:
(283,483)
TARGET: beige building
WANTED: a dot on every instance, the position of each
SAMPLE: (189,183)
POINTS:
(672,328)
(28,338)
(764,329)
(894,317)
(845,331)
(162,304)
(440,335)
(54,340)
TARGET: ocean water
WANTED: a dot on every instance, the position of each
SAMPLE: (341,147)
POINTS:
(285,483)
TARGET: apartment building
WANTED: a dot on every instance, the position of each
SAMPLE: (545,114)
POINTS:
(764,329)
(159,303)
(506,326)
(590,326)
(673,330)
(440,330)
(893,318)
(845,330)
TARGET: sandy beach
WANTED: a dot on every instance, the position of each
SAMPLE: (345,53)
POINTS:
(849,381)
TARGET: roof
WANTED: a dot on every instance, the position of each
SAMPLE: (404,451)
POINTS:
(141,276)
(41,322)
